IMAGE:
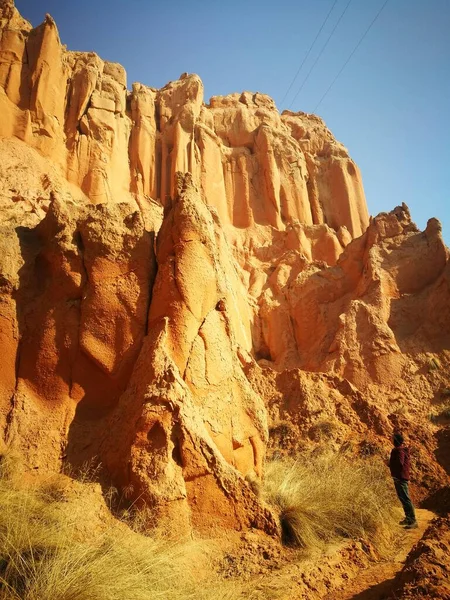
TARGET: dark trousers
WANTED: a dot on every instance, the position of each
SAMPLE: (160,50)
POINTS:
(401,487)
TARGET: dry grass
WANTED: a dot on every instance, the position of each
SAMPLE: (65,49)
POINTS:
(88,472)
(324,429)
(323,499)
(44,557)
(434,364)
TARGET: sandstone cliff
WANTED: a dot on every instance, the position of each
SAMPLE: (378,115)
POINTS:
(178,278)
(250,163)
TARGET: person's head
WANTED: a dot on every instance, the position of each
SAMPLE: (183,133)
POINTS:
(398,439)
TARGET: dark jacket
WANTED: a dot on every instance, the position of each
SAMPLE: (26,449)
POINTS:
(400,463)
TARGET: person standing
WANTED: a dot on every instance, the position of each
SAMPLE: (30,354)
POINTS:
(400,466)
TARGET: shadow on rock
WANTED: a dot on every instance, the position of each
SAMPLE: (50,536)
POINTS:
(380,591)
(438,501)
(442,452)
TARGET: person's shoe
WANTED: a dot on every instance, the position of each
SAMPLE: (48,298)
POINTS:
(413,525)
(404,522)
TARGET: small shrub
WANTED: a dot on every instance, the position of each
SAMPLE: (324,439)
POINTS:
(446,413)
(326,498)
(434,364)
(441,413)
(323,430)
(369,449)
(282,434)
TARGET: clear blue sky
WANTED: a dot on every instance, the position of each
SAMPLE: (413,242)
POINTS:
(390,106)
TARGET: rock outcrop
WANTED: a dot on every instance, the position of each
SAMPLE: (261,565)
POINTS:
(386,296)
(177,279)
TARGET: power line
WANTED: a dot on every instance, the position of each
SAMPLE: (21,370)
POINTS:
(350,56)
(321,52)
(309,51)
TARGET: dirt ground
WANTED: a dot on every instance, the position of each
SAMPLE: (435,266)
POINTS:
(376,582)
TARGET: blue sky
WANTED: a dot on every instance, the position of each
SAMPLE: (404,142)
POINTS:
(390,106)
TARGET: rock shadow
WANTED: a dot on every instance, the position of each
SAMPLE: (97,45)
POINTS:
(73,394)
(442,452)
(379,591)
(101,390)
(438,501)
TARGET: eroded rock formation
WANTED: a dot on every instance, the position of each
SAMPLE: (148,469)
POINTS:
(178,278)
(250,163)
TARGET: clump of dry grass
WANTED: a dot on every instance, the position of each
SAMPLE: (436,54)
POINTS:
(325,498)
(323,429)
(45,554)
(88,472)
(434,364)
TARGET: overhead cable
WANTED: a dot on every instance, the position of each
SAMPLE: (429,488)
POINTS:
(320,53)
(350,56)
(309,51)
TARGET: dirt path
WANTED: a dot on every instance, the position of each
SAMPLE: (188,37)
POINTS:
(376,582)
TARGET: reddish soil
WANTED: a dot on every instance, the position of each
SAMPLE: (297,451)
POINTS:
(377,582)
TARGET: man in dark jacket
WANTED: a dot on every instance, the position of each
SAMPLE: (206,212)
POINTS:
(400,465)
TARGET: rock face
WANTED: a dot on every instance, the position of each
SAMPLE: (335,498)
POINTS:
(190,421)
(357,317)
(250,163)
(178,279)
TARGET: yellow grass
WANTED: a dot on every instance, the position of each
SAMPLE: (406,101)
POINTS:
(323,499)
(43,556)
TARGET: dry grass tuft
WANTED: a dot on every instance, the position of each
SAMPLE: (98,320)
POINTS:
(50,547)
(323,499)
(254,483)
(88,472)
(434,364)
(324,429)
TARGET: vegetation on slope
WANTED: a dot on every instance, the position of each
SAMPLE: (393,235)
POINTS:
(325,498)
(46,554)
